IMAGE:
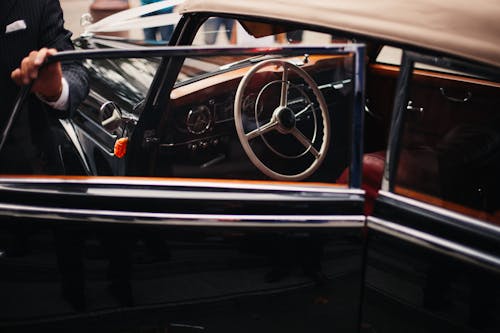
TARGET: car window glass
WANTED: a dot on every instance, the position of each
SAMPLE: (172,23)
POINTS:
(390,55)
(450,147)
(118,85)
(264,117)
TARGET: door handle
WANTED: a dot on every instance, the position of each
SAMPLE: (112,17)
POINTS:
(456,99)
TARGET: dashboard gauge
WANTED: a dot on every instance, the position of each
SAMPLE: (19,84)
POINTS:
(224,110)
(248,106)
(199,119)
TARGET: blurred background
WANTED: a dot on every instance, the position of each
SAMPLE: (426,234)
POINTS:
(74,9)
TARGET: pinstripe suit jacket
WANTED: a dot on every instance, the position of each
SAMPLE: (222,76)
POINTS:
(44,27)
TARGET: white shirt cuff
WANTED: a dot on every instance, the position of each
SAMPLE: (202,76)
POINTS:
(63,101)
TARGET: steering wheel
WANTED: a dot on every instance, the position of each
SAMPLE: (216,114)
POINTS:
(283,120)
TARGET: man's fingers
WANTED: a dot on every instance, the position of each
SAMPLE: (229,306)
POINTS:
(40,56)
(26,65)
(32,67)
(31,64)
(16,76)
(29,69)
(51,51)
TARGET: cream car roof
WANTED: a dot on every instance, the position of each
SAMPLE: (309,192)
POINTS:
(469,29)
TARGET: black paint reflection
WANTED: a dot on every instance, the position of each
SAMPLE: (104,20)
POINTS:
(182,280)
(413,289)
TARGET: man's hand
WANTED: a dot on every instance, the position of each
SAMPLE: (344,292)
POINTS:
(46,82)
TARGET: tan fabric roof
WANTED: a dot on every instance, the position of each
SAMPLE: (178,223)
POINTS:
(470,29)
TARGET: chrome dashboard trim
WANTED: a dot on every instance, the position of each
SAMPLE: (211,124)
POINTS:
(184,143)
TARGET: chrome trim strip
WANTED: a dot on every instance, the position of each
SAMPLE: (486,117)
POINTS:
(165,182)
(183,143)
(440,211)
(196,51)
(70,131)
(176,219)
(189,195)
(434,243)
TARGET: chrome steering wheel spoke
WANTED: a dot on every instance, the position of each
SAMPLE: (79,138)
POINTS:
(304,140)
(304,110)
(284,86)
(262,130)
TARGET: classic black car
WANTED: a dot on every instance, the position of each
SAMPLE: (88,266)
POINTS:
(325,166)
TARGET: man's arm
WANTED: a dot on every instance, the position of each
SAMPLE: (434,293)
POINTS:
(48,82)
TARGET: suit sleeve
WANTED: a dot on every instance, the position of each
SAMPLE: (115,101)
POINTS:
(54,35)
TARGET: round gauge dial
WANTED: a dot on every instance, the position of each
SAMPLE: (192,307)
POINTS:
(199,119)
(249,107)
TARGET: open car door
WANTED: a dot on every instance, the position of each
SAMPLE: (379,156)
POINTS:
(432,253)
(202,243)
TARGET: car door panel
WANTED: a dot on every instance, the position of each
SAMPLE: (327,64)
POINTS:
(437,271)
(127,253)
(166,261)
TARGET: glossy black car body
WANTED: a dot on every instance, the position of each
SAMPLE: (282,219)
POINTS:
(193,234)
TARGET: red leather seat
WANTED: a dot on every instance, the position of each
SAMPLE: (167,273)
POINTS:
(373,169)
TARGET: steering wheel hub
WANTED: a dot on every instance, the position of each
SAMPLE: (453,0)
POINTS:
(286,119)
